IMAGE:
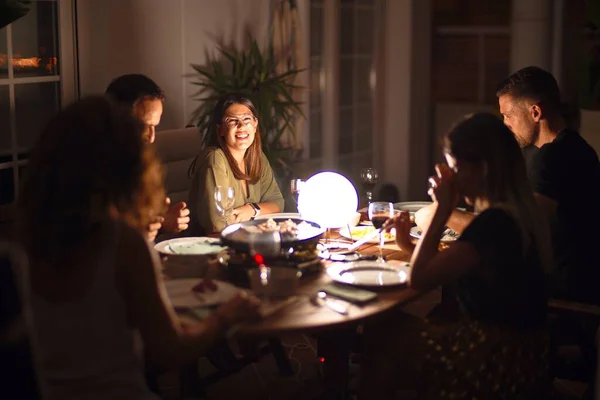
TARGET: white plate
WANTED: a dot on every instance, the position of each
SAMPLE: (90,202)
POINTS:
(190,246)
(411,206)
(359,232)
(369,273)
(278,215)
(181,295)
(449,235)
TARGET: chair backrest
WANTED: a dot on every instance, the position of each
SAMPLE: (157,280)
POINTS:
(20,376)
(590,128)
(177,148)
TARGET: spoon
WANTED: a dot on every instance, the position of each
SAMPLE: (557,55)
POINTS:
(321,299)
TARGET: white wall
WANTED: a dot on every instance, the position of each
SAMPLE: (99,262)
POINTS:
(160,39)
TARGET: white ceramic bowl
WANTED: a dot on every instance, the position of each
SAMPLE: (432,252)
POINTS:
(354,220)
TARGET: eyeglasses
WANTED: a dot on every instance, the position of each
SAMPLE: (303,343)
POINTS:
(232,122)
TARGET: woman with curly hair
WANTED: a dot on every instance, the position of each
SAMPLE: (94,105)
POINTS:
(93,185)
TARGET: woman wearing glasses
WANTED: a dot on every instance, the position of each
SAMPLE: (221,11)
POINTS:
(232,157)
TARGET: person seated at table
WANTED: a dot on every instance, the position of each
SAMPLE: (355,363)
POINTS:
(145,98)
(95,280)
(496,348)
(564,172)
(232,157)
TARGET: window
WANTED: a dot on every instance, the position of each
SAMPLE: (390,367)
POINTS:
(32,85)
(355,40)
(471,43)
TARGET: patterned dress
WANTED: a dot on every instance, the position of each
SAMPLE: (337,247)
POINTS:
(498,349)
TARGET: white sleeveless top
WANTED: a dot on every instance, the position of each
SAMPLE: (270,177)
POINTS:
(87,347)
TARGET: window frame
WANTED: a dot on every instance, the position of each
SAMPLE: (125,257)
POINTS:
(68,83)
(480,32)
(330,89)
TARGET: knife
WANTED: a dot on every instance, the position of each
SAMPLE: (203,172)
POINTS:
(370,236)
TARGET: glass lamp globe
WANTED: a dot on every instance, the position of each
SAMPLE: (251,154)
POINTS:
(328,199)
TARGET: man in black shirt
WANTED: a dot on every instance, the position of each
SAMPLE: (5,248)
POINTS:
(565,175)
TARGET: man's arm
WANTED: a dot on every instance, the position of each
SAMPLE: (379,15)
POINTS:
(458,221)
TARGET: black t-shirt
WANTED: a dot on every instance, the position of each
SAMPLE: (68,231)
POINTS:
(567,171)
(508,288)
(529,153)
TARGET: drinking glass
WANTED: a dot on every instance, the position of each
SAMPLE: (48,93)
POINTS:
(224,199)
(379,212)
(295,186)
(369,178)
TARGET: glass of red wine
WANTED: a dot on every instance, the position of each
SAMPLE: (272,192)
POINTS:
(369,178)
(379,212)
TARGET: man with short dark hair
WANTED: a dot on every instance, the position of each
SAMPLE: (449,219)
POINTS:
(142,95)
(565,175)
(145,99)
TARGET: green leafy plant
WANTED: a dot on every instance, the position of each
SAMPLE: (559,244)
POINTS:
(253,73)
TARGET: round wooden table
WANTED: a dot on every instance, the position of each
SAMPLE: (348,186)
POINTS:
(304,316)
(334,331)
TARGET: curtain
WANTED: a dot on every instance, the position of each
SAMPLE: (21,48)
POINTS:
(286,38)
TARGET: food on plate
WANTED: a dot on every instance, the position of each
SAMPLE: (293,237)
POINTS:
(448,235)
(284,227)
(359,232)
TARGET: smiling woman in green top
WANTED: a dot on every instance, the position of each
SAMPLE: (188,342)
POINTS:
(232,156)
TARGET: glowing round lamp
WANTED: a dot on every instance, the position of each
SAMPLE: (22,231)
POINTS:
(328,199)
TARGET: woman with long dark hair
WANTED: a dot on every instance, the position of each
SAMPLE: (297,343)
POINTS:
(495,348)
(232,157)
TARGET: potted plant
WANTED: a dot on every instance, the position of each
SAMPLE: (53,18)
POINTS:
(252,73)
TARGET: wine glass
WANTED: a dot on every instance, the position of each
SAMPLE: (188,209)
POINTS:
(224,199)
(379,212)
(369,178)
(295,186)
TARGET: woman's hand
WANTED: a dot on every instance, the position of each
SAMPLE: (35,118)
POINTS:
(242,308)
(444,189)
(403,225)
(243,213)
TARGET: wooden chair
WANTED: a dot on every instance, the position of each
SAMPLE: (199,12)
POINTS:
(21,374)
(177,148)
(574,324)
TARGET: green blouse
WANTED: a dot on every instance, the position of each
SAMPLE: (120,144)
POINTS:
(212,169)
